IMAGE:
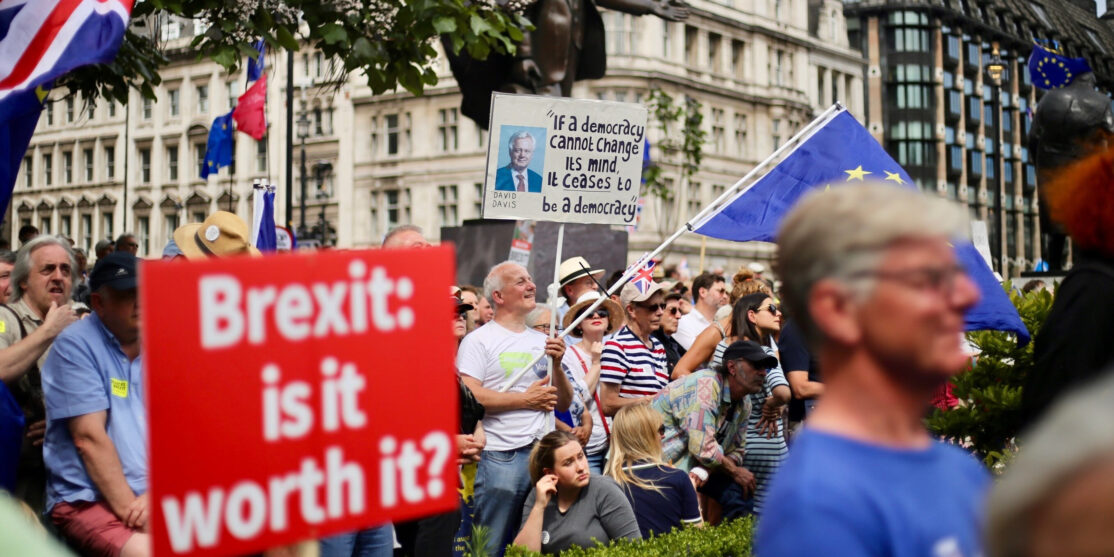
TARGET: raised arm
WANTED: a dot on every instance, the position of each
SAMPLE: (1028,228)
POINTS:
(702,350)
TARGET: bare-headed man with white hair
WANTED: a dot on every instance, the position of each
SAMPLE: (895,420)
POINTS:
(872,279)
(514,420)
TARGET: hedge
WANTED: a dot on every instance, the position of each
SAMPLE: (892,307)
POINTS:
(731,539)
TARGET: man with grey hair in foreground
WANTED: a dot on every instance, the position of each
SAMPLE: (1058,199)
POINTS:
(514,420)
(38,309)
(872,278)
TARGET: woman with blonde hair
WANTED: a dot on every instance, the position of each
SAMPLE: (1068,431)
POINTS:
(662,496)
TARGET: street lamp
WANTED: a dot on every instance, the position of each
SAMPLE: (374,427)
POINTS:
(321,170)
(995,67)
(303,133)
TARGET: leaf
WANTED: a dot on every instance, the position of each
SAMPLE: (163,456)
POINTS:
(286,38)
(225,56)
(479,25)
(363,49)
(444,25)
(333,33)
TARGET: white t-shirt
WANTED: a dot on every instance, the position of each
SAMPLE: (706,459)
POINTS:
(492,354)
(689,326)
(574,361)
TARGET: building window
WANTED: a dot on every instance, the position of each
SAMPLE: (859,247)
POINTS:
(106,225)
(172,96)
(87,157)
(696,197)
(776,135)
(740,134)
(203,99)
(718,133)
(111,109)
(233,93)
(147,107)
(87,231)
(261,155)
(447,205)
(171,220)
(692,35)
(391,120)
(48,170)
(375,136)
(110,162)
(66,226)
(620,32)
(45,224)
(198,216)
(478,196)
(28,171)
(143,234)
(393,209)
(199,153)
(67,167)
(69,110)
(172,162)
(738,54)
(318,121)
(49,109)
(715,40)
(666,38)
(448,129)
(145,166)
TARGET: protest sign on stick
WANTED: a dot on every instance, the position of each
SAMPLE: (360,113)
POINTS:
(297,396)
(564,160)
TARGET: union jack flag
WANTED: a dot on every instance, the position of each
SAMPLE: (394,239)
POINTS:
(644,277)
(41,40)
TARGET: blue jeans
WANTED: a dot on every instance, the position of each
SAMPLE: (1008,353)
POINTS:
(369,542)
(502,484)
(729,495)
(595,462)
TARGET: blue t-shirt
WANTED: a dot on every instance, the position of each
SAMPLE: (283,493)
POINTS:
(658,513)
(836,496)
(86,372)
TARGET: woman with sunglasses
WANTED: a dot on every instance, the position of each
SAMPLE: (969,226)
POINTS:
(699,355)
(662,496)
(757,318)
(582,366)
(569,507)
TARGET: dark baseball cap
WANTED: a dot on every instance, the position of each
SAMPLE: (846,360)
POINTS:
(751,352)
(116,270)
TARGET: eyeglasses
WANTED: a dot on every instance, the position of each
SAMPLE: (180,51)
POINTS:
(674,310)
(935,279)
(544,327)
(652,307)
(599,314)
(774,309)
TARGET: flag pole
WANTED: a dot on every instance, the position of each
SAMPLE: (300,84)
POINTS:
(805,133)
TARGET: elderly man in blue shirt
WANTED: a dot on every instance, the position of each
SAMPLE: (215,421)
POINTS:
(97,487)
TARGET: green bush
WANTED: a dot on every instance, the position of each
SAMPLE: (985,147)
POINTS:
(731,539)
(989,417)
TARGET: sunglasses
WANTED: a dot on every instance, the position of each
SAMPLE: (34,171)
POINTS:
(652,307)
(599,314)
(772,308)
(674,311)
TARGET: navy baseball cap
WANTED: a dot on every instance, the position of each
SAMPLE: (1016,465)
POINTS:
(116,270)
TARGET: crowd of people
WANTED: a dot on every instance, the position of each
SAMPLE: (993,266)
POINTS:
(652,406)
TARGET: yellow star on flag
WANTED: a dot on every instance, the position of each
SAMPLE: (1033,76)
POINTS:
(893,177)
(856,174)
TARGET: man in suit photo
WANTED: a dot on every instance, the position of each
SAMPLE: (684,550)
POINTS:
(516,176)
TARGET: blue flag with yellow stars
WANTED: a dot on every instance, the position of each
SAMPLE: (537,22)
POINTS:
(218,151)
(840,152)
(1049,70)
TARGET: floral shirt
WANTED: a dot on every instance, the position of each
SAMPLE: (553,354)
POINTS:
(701,421)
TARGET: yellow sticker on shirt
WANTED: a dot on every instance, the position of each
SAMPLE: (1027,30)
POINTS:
(120,388)
(3,327)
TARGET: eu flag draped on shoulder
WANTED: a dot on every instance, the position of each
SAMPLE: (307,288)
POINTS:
(837,152)
(41,40)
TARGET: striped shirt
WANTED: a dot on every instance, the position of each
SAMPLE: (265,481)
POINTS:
(638,369)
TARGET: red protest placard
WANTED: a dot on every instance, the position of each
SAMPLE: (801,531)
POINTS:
(296,396)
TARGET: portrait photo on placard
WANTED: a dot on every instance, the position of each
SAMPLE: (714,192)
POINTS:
(521,160)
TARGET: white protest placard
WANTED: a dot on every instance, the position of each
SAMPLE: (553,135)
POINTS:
(564,160)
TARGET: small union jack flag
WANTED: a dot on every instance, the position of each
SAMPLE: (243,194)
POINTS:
(644,277)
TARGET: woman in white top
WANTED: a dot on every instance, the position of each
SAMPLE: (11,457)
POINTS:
(582,366)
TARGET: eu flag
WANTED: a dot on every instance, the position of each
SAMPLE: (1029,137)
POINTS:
(218,151)
(842,151)
(256,65)
(1049,70)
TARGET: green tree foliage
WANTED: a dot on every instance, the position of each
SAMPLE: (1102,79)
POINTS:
(389,42)
(989,417)
(730,539)
(682,140)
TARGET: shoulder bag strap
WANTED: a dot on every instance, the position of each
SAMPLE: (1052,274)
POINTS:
(595,393)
